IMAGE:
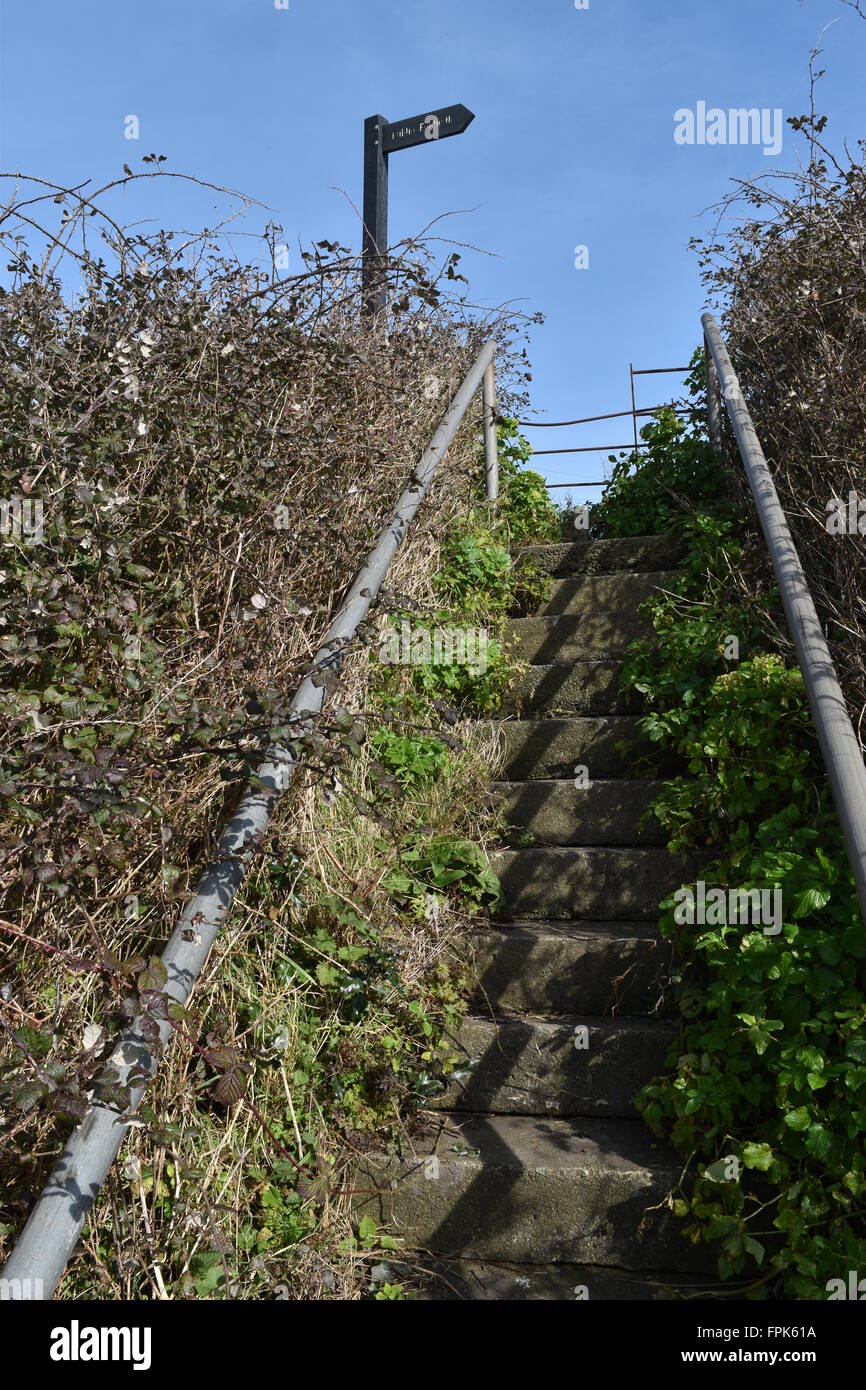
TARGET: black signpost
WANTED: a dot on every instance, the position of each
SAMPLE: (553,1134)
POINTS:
(382,138)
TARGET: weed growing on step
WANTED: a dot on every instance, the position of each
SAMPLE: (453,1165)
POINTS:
(476,570)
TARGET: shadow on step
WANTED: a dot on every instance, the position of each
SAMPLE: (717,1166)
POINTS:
(608,746)
(607,812)
(581,687)
(603,883)
(598,968)
(568,1066)
(518,1189)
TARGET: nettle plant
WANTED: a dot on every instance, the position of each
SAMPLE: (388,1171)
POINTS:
(767,1092)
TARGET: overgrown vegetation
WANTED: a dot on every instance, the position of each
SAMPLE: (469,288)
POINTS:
(767,1089)
(650,491)
(768,1082)
(786,266)
(208,450)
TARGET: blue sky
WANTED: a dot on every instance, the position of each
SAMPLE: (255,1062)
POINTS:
(572,145)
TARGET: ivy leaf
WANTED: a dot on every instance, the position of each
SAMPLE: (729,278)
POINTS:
(754,1248)
(758,1156)
(798,1119)
(819,1141)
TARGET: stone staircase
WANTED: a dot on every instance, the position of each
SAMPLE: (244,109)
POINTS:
(535,1177)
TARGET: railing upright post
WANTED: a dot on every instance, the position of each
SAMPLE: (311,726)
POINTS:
(491,448)
(714,401)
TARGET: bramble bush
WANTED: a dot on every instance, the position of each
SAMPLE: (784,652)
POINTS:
(786,272)
(213,446)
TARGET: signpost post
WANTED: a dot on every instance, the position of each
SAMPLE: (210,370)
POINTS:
(381,139)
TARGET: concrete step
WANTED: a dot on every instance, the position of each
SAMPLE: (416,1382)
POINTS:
(519,1188)
(572,967)
(559,813)
(613,884)
(574,687)
(477,1281)
(576,637)
(609,746)
(568,1066)
(647,553)
(606,593)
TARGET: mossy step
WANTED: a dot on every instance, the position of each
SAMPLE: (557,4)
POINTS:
(613,884)
(576,637)
(524,1188)
(571,967)
(568,1066)
(604,592)
(606,812)
(648,553)
(608,746)
(571,687)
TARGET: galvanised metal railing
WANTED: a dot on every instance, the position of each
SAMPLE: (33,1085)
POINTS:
(36,1264)
(840,748)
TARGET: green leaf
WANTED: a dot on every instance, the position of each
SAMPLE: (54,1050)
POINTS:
(367,1231)
(798,1119)
(819,1141)
(810,900)
(154,976)
(758,1156)
(754,1248)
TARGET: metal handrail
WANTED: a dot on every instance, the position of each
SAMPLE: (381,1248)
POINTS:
(840,749)
(36,1264)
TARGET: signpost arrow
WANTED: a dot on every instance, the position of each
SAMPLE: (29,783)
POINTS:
(382,138)
(431,125)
